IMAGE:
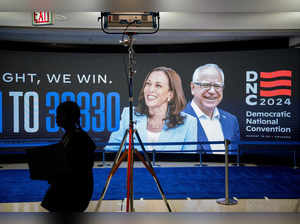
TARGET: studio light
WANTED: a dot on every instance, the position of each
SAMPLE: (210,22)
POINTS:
(129,22)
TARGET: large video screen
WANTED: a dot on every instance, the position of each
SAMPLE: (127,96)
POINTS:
(260,92)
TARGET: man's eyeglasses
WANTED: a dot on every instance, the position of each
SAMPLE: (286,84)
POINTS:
(208,85)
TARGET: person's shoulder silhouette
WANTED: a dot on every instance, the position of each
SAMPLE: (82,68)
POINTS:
(71,169)
(75,141)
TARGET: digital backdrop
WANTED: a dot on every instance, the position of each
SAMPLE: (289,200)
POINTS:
(261,89)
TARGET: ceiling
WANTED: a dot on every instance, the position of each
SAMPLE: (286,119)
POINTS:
(188,21)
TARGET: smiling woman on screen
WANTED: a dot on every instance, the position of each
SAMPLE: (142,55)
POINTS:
(158,115)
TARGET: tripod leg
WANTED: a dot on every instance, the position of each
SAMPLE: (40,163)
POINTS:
(151,170)
(123,156)
(113,170)
(131,176)
(129,202)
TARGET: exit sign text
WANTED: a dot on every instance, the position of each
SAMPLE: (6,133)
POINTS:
(42,18)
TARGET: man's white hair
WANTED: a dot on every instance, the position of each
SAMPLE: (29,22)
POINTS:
(197,72)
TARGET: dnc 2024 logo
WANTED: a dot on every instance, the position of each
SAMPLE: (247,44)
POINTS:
(269,88)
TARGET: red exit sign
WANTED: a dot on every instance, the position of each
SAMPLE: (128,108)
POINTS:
(42,18)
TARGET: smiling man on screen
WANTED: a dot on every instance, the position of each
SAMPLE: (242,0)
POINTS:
(214,124)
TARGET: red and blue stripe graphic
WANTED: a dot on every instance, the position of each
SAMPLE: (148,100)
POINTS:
(277,83)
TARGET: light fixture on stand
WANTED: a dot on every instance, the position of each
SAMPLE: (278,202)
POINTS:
(130,24)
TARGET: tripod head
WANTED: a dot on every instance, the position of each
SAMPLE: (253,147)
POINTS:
(126,43)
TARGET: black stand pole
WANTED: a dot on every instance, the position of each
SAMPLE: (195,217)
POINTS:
(226,200)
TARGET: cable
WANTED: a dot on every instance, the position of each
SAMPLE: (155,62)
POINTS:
(124,63)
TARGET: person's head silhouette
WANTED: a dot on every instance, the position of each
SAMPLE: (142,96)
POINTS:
(68,115)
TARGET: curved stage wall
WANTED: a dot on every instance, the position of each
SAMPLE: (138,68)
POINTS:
(261,89)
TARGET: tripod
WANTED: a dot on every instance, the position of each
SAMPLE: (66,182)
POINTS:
(130,152)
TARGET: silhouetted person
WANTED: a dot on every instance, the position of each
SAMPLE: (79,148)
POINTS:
(71,182)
